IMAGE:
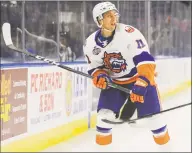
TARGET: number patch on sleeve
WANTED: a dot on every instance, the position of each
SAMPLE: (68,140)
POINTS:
(88,60)
(140,44)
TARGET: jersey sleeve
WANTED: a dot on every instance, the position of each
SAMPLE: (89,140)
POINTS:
(142,58)
(94,68)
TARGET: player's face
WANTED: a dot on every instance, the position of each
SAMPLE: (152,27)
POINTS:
(110,20)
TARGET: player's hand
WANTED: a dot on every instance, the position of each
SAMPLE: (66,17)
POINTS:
(101,81)
(139,89)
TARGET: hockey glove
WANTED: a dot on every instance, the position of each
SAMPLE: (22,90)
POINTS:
(139,89)
(101,81)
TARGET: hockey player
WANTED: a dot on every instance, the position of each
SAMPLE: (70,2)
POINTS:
(119,53)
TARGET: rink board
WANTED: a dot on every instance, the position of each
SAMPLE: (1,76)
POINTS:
(54,105)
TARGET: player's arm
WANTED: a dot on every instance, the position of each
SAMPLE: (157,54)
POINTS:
(97,70)
(145,65)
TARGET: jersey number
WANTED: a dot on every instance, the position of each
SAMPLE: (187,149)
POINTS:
(140,43)
(88,60)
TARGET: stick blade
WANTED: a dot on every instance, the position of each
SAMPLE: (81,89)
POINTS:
(6,30)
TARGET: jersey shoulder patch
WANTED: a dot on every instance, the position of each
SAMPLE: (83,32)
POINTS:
(129,29)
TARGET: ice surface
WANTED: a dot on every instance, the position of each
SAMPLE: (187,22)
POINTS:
(134,138)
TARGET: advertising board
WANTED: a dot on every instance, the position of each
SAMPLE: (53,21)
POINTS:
(46,98)
(13,102)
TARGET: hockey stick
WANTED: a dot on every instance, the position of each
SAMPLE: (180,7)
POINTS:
(38,37)
(146,116)
(6,30)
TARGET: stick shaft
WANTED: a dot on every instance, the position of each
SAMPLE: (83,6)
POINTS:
(146,116)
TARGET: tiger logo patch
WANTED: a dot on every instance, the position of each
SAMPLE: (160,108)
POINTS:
(114,62)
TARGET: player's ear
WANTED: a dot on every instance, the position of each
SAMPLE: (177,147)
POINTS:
(100,22)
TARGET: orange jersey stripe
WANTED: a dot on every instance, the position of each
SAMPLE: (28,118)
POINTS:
(148,71)
(103,139)
(162,139)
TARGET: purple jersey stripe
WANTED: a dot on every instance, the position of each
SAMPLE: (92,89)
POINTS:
(162,129)
(130,74)
(144,56)
(103,130)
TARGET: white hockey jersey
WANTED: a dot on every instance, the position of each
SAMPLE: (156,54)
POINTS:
(121,57)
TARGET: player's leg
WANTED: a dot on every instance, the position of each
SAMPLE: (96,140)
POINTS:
(127,110)
(110,102)
(155,123)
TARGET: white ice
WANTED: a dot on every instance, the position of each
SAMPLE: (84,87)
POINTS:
(134,138)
